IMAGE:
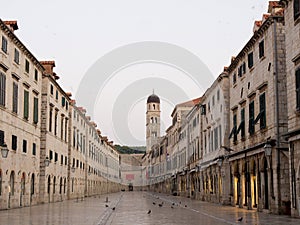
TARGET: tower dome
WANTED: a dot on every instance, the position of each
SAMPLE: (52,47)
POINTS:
(153,99)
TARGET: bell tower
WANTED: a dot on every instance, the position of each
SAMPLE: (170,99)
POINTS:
(152,121)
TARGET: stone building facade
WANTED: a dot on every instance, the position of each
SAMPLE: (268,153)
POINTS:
(258,118)
(213,165)
(20,124)
(243,157)
(292,47)
(46,160)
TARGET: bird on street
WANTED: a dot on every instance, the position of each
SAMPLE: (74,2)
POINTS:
(160,205)
(106,205)
(149,211)
(240,219)
(113,208)
(153,203)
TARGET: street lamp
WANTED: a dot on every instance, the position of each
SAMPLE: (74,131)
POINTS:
(268,149)
(47,161)
(220,162)
(4,150)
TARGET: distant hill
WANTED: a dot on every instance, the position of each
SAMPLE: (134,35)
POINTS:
(130,149)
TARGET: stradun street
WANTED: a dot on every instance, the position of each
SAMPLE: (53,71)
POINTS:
(133,207)
(229,155)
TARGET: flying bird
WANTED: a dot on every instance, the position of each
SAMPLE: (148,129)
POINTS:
(240,219)
(149,211)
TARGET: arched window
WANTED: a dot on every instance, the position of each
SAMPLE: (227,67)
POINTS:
(49,184)
(65,184)
(72,184)
(23,183)
(154,106)
(12,183)
(155,119)
(54,183)
(151,120)
(32,184)
(60,185)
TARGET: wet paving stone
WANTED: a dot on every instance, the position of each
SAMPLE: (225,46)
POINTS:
(137,208)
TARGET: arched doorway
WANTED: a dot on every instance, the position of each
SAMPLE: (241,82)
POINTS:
(266,183)
(22,192)
(49,187)
(32,187)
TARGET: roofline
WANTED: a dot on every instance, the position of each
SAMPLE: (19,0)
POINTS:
(257,34)
(22,47)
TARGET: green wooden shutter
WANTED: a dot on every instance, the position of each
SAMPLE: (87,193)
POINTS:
(26,104)
(35,110)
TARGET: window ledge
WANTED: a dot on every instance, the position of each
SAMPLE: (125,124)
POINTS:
(262,58)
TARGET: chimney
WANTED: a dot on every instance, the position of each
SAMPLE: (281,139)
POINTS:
(48,65)
(257,25)
(12,25)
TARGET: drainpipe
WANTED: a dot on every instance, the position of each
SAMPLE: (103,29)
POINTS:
(277,111)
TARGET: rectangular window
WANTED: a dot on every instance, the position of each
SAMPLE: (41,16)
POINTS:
(1,137)
(56,157)
(51,89)
(234,78)
(55,123)
(36,75)
(26,66)
(2,88)
(17,56)
(50,155)
(66,160)
(298,89)
(56,95)
(26,104)
(262,109)
(62,127)
(261,49)
(24,146)
(50,119)
(250,60)
(4,44)
(62,160)
(243,123)
(14,141)
(63,101)
(33,149)
(35,110)
(251,118)
(15,98)
(296,9)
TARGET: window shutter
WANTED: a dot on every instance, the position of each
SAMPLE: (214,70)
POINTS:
(262,108)
(15,97)
(2,89)
(1,137)
(26,102)
(35,110)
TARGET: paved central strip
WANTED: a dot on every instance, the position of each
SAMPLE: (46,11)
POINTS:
(106,215)
(194,210)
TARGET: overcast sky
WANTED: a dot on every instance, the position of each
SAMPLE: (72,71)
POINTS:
(76,34)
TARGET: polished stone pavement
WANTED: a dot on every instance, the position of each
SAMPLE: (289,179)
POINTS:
(132,208)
